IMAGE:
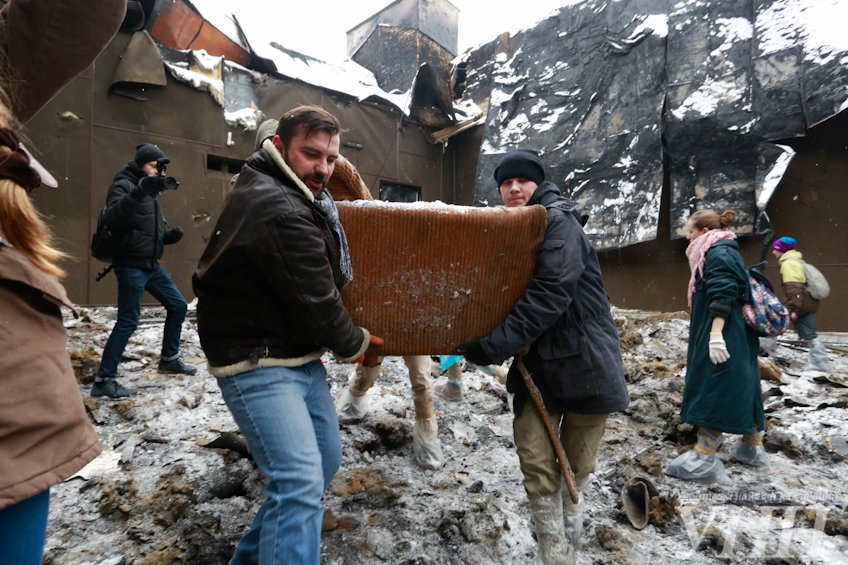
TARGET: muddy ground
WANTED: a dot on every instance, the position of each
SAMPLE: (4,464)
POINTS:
(173,486)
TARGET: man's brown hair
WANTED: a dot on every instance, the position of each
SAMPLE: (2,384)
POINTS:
(312,118)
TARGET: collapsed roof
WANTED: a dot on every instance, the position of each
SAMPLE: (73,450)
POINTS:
(190,30)
(618,95)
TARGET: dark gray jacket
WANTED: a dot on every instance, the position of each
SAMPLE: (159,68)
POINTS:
(564,316)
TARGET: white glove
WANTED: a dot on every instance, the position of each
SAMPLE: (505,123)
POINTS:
(718,349)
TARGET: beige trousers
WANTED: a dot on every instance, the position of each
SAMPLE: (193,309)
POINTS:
(419,377)
(581,435)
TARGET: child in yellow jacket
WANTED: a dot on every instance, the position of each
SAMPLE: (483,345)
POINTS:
(799,301)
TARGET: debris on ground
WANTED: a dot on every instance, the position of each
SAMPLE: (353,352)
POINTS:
(176,483)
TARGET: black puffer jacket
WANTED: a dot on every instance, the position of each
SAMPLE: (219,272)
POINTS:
(268,282)
(564,316)
(139,228)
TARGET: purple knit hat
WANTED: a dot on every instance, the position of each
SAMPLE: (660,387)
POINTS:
(785,244)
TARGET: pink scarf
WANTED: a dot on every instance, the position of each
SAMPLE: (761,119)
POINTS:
(697,254)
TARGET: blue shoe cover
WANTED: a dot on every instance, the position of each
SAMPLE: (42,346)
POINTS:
(690,466)
(754,455)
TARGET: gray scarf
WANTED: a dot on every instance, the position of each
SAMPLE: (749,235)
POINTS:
(325,203)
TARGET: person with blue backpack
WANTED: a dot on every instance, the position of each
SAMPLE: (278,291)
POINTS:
(800,299)
(722,391)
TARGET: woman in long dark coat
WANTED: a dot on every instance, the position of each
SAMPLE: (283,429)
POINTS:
(722,392)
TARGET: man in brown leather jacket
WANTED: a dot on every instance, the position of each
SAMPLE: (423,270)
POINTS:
(268,308)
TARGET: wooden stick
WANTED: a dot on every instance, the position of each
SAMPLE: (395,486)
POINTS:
(549,426)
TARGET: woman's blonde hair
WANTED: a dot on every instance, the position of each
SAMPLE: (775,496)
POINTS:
(711,219)
(20,222)
(26,230)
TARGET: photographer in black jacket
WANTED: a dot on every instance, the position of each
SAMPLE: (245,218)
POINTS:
(134,215)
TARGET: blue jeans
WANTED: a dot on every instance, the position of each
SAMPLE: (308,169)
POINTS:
(22,529)
(805,325)
(288,418)
(131,286)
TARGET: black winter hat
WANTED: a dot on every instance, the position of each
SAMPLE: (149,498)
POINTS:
(147,152)
(520,163)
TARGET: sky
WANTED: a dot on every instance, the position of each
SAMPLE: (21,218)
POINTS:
(318,27)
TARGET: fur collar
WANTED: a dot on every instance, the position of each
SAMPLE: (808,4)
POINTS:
(278,159)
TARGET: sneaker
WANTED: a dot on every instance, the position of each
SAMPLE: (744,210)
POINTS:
(176,367)
(111,388)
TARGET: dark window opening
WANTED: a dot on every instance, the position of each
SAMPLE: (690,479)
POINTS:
(396,192)
(223,164)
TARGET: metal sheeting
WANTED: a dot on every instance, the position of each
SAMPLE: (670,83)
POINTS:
(438,19)
(586,88)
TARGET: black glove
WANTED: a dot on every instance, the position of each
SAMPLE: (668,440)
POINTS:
(473,352)
(151,185)
(172,236)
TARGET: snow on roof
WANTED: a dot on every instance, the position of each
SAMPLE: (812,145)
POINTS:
(346,77)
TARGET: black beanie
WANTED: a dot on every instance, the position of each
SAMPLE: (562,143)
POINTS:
(147,152)
(520,163)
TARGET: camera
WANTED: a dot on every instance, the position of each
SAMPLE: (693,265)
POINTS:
(168,183)
(160,181)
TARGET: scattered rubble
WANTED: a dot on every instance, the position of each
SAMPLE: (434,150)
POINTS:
(176,483)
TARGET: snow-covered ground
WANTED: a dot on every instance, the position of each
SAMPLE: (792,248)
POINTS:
(160,493)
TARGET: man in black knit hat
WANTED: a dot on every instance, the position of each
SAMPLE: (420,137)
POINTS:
(563,323)
(134,215)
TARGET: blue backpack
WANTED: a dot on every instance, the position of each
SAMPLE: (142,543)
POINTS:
(766,315)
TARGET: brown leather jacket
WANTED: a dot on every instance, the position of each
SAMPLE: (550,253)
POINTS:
(268,282)
(45,434)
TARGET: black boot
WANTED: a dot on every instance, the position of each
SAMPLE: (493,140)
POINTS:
(111,388)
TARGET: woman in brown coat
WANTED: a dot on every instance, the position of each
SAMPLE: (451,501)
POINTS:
(45,434)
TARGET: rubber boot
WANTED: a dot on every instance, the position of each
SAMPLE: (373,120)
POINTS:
(554,547)
(426,444)
(572,514)
(818,356)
